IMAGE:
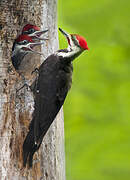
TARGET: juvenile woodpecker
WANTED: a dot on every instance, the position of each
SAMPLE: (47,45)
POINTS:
(22,46)
(23,61)
(33,31)
(54,82)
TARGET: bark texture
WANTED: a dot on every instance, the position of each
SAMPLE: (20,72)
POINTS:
(16,109)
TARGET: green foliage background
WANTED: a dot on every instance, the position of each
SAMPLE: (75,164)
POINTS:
(97,117)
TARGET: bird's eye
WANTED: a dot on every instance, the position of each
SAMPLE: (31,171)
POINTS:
(30,31)
(24,41)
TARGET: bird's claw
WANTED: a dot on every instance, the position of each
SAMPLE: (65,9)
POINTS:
(25,85)
(36,70)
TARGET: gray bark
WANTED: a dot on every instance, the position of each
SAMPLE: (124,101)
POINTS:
(16,109)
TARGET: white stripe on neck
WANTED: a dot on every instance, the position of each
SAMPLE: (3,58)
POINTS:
(71,52)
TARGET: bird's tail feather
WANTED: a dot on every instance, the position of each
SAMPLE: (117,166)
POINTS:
(29,148)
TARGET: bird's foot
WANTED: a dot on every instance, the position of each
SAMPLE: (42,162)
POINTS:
(36,70)
(25,85)
(10,70)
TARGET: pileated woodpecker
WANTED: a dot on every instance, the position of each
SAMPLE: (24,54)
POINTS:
(54,81)
(21,47)
(33,31)
(24,65)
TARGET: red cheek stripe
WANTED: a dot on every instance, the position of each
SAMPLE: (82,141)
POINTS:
(68,40)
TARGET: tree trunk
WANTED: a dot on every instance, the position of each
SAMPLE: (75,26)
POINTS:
(16,109)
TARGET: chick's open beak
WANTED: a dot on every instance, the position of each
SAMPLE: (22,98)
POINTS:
(37,34)
(29,47)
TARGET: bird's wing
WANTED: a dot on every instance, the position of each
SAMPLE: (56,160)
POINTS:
(50,96)
(50,91)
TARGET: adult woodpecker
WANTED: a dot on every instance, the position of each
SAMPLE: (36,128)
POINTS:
(33,31)
(53,84)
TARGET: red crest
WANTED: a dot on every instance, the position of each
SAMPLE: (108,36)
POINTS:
(30,26)
(82,42)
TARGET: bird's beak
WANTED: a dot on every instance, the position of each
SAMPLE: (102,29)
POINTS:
(29,47)
(67,35)
(64,33)
(37,34)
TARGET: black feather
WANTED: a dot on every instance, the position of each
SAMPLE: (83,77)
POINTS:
(50,92)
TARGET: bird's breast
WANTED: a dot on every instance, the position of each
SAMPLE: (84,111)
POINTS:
(66,75)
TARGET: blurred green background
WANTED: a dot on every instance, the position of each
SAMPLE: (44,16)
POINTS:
(97,109)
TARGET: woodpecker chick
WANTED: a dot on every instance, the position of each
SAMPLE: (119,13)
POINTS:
(23,61)
(53,84)
(33,31)
(22,46)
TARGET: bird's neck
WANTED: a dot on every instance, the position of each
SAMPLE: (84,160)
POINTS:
(70,53)
(17,57)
